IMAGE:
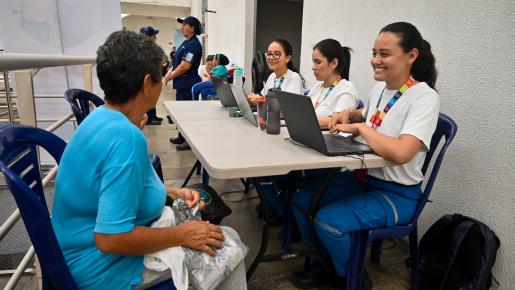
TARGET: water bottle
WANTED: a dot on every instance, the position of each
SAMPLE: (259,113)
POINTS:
(238,77)
(261,111)
(273,114)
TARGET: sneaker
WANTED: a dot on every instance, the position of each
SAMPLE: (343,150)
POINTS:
(184,146)
(170,121)
(157,118)
(154,122)
(310,277)
(177,140)
(340,282)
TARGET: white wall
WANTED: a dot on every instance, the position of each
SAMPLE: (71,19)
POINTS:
(57,27)
(231,31)
(166,26)
(473,42)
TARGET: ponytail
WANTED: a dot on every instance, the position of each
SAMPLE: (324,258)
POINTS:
(332,49)
(423,69)
(344,62)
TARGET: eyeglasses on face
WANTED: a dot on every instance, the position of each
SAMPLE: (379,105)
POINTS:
(273,55)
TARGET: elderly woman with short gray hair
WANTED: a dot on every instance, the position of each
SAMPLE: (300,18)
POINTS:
(107,192)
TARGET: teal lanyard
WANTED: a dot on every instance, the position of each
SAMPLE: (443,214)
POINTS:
(281,80)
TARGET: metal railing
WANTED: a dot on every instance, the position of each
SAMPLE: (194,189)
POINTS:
(26,66)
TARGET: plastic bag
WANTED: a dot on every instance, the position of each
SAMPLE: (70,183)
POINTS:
(206,272)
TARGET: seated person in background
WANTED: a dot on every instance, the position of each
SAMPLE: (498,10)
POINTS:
(284,75)
(204,71)
(333,92)
(398,123)
(107,192)
(219,70)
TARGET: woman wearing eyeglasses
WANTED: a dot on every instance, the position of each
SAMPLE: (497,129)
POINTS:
(333,92)
(284,75)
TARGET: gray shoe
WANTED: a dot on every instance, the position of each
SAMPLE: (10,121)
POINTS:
(184,146)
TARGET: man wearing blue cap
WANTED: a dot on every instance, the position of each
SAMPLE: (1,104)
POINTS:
(151,33)
(185,66)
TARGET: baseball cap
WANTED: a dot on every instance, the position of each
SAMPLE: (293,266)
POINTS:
(194,22)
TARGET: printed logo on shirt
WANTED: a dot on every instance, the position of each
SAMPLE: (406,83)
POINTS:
(189,57)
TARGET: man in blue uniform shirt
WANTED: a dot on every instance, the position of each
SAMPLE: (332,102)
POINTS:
(185,66)
(151,33)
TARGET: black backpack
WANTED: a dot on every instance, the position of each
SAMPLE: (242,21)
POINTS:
(457,252)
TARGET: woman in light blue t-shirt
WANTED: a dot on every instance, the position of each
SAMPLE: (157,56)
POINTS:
(107,192)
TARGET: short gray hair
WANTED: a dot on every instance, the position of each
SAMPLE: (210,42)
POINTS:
(123,61)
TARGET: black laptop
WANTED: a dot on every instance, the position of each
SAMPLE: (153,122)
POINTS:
(223,90)
(303,127)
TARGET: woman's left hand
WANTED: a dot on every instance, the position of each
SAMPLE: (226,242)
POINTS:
(346,128)
(190,196)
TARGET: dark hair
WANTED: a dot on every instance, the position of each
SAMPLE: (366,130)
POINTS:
(123,61)
(221,58)
(210,57)
(423,68)
(331,49)
(288,50)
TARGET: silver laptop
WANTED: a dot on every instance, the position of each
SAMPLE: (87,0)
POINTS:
(224,92)
(243,104)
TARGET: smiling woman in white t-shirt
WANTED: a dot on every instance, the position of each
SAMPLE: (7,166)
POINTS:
(284,75)
(398,123)
(333,92)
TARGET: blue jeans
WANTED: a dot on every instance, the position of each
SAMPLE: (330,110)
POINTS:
(348,206)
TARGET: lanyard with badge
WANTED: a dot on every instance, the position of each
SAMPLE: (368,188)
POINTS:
(281,80)
(377,118)
(318,101)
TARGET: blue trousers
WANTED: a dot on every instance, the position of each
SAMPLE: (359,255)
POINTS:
(348,206)
(183,94)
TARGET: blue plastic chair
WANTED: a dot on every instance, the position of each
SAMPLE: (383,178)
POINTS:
(79,101)
(204,89)
(19,164)
(21,141)
(360,239)
(360,105)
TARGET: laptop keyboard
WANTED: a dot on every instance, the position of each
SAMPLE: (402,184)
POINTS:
(333,145)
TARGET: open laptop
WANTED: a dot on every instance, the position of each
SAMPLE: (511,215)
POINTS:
(243,104)
(303,127)
(224,92)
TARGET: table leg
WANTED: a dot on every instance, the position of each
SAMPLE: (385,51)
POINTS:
(205,177)
(195,166)
(264,235)
(313,212)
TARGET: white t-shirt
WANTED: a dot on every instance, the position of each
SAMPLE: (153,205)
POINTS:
(342,96)
(202,72)
(292,83)
(415,113)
